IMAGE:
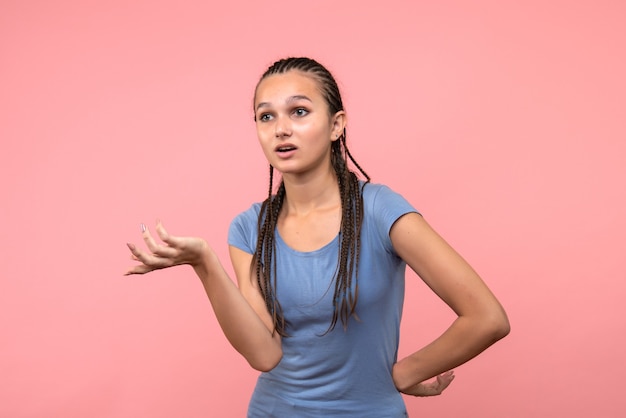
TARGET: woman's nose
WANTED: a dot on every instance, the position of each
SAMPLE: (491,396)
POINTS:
(283,126)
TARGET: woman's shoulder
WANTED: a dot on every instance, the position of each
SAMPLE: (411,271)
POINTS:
(377,192)
(380,199)
(242,232)
(372,188)
(252,213)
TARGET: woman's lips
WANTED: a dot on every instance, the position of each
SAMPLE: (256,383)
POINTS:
(285,150)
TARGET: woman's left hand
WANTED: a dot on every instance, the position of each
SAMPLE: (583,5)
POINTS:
(173,251)
(432,388)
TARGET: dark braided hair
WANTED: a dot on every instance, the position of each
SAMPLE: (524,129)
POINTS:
(345,293)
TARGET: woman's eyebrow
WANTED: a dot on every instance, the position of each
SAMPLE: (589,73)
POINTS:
(290,99)
(298,97)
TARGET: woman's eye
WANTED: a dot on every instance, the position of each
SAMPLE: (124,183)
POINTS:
(264,117)
(300,112)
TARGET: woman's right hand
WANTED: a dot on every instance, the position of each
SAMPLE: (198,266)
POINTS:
(433,388)
(173,251)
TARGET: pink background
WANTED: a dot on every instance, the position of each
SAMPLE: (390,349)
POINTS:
(503,122)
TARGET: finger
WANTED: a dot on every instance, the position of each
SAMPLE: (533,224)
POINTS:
(170,240)
(444,380)
(147,238)
(156,249)
(132,248)
(150,260)
(435,387)
(427,389)
(140,269)
(135,253)
(449,375)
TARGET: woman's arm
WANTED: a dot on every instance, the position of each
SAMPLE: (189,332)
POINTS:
(481,319)
(237,312)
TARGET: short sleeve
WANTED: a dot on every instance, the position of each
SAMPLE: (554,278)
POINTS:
(242,232)
(385,207)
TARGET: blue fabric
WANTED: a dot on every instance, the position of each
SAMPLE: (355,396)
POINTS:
(345,373)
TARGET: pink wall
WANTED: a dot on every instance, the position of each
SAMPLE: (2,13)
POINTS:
(504,122)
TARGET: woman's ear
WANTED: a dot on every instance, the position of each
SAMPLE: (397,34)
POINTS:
(338,124)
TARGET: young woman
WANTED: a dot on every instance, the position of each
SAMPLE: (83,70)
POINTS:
(320,268)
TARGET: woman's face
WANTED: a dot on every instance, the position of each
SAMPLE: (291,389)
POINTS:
(293,123)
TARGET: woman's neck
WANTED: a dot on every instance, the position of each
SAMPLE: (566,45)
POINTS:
(305,194)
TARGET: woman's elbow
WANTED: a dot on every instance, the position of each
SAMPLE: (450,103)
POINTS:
(267,362)
(498,325)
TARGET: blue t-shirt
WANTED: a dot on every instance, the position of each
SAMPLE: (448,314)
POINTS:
(344,373)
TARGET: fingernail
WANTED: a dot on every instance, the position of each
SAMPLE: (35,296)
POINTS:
(143,228)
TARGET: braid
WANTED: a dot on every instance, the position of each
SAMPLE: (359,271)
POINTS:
(349,155)
(346,293)
(346,276)
(265,247)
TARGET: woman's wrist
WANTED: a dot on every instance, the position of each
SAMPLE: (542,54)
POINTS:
(400,375)
(204,263)
(406,373)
